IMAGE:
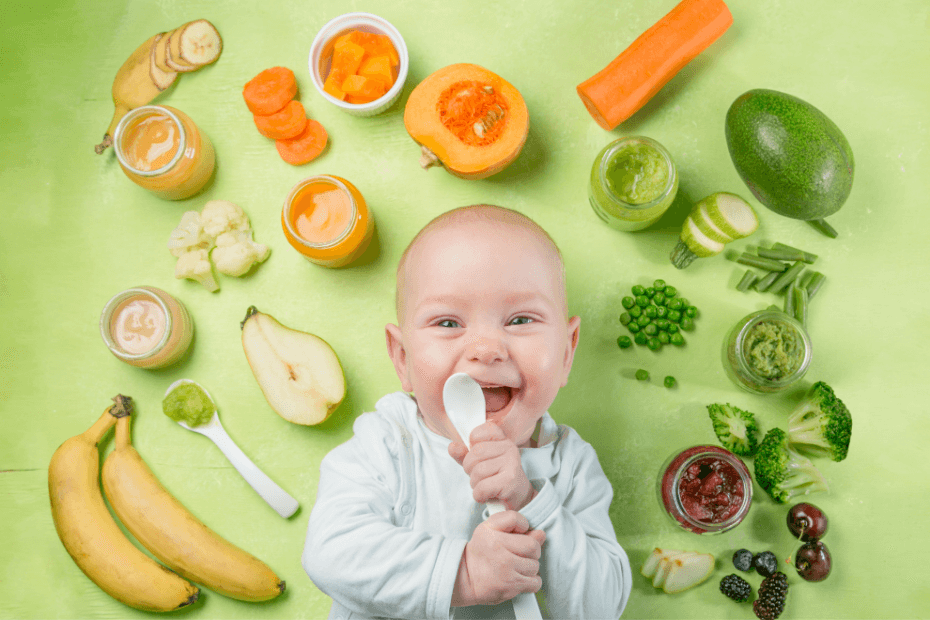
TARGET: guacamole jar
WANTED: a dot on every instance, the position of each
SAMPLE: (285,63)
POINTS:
(767,351)
(633,182)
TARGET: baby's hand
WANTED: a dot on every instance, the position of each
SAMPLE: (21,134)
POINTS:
(500,561)
(493,463)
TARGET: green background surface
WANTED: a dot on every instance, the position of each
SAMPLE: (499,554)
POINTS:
(74,231)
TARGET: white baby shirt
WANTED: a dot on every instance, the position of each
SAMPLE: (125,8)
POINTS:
(394,511)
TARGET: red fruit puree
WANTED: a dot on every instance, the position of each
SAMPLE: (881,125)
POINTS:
(701,485)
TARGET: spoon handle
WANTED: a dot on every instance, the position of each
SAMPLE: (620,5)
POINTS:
(277,498)
(525,606)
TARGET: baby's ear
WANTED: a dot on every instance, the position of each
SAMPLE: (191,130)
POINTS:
(395,347)
(574,332)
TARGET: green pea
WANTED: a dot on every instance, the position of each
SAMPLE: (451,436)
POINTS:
(684,303)
(661,312)
(659,285)
(635,312)
(627,302)
(642,301)
(642,375)
(670,291)
(640,338)
(677,340)
(624,342)
(651,329)
(633,327)
(673,328)
(625,318)
(659,299)
(650,292)
(654,344)
(664,338)
(644,320)
(639,290)
(691,311)
(674,316)
(687,324)
(662,324)
(669,381)
(650,311)
(675,304)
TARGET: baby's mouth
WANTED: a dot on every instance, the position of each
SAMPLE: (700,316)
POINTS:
(496,398)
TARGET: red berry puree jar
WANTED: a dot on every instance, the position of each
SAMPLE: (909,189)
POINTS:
(705,489)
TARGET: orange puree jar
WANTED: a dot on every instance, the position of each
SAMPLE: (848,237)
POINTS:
(161,149)
(146,327)
(326,219)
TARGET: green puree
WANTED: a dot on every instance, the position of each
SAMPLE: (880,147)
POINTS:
(189,404)
(637,174)
(774,350)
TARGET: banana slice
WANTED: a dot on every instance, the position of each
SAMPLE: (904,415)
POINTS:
(162,78)
(198,43)
(173,53)
(161,52)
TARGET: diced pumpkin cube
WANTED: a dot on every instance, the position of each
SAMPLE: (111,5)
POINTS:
(378,68)
(358,88)
(332,86)
(353,84)
(385,46)
(347,58)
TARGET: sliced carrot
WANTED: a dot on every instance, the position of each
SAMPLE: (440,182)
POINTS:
(378,68)
(305,147)
(625,85)
(269,91)
(332,86)
(286,123)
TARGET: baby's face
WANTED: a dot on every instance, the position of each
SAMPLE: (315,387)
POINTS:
(487,300)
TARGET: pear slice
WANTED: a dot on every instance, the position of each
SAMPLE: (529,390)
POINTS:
(299,373)
(651,565)
(665,566)
(686,571)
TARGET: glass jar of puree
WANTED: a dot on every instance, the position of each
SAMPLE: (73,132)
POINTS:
(326,219)
(633,182)
(767,351)
(161,149)
(146,327)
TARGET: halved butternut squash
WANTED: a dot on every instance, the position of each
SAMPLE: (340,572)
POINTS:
(467,119)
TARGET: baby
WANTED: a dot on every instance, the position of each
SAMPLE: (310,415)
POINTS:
(398,528)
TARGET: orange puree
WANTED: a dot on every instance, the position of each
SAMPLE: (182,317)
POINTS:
(321,212)
(152,142)
(326,219)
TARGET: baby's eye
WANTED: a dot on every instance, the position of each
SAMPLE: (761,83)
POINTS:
(448,323)
(521,320)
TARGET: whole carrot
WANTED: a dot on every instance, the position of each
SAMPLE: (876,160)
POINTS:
(616,92)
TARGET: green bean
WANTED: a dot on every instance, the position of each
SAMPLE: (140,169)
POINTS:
(789,298)
(825,228)
(808,257)
(765,282)
(814,284)
(760,262)
(786,278)
(799,308)
(746,281)
(781,254)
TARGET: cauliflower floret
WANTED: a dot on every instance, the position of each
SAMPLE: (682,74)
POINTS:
(220,216)
(236,252)
(195,265)
(188,235)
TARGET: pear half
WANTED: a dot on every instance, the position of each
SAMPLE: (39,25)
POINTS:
(299,373)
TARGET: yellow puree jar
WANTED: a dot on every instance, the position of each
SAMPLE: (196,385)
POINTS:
(146,327)
(161,149)
(633,182)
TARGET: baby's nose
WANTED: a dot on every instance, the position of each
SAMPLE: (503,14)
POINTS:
(487,349)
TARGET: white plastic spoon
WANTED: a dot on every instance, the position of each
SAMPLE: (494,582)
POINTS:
(277,498)
(464,403)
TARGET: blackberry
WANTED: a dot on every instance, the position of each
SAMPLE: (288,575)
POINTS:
(742,559)
(765,563)
(736,588)
(771,600)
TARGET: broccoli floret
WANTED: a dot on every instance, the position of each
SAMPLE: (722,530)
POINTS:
(783,471)
(821,425)
(736,429)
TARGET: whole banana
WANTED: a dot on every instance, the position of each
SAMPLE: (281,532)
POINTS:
(175,536)
(133,87)
(91,536)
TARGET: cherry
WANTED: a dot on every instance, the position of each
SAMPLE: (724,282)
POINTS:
(813,561)
(807,522)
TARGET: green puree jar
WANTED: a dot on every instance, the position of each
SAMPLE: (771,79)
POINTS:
(633,182)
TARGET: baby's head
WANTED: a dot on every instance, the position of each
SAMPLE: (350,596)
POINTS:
(481,290)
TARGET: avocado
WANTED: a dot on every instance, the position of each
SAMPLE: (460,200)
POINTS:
(794,159)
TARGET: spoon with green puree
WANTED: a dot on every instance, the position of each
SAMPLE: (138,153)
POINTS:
(188,403)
